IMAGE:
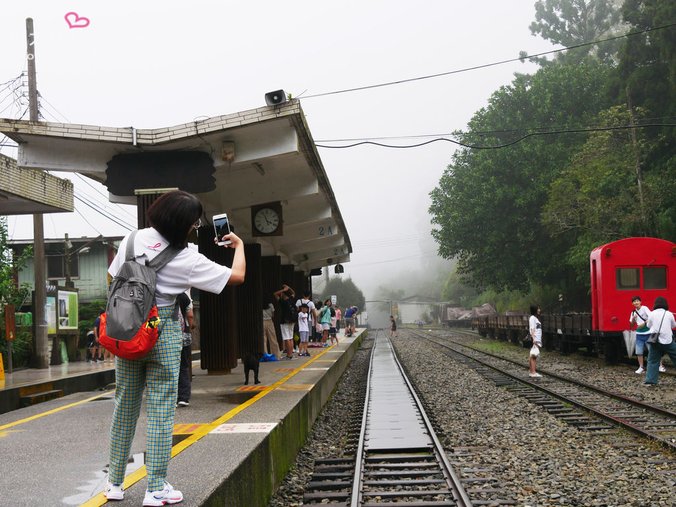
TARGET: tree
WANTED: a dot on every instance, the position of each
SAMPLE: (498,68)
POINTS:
(10,265)
(597,198)
(572,22)
(488,203)
(347,293)
(12,294)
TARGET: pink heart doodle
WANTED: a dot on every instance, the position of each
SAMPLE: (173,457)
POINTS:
(76,21)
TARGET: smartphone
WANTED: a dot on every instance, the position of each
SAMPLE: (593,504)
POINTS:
(221,228)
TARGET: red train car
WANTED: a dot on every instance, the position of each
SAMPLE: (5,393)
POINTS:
(644,267)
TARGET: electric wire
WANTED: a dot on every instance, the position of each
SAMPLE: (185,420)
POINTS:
(483,66)
(459,133)
(499,146)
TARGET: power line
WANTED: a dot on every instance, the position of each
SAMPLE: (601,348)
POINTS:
(505,145)
(476,67)
(459,133)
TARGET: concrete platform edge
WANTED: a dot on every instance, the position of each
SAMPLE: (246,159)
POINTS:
(255,480)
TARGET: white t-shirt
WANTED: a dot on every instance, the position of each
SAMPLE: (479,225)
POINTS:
(188,269)
(641,319)
(535,329)
(665,330)
(303,322)
(310,305)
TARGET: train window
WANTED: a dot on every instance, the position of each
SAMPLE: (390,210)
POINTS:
(655,278)
(628,278)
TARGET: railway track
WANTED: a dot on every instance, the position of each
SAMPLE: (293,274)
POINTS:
(585,406)
(395,456)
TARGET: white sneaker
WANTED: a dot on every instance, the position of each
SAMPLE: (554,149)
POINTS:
(534,375)
(168,495)
(114,491)
(640,370)
(662,369)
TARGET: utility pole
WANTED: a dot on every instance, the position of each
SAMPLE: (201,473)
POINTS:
(66,254)
(41,359)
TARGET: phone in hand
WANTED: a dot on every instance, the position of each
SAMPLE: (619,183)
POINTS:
(221,228)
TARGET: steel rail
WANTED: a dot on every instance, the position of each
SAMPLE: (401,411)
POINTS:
(451,479)
(615,420)
(610,394)
(356,498)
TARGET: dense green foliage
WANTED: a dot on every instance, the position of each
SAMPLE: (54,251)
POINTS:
(346,292)
(11,294)
(571,171)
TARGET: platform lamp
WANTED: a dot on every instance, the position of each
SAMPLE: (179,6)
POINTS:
(339,269)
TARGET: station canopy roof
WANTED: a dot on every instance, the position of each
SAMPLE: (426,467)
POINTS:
(235,163)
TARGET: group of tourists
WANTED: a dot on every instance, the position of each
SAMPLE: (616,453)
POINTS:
(314,322)
(653,334)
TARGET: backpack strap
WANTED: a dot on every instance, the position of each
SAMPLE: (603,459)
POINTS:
(129,252)
(164,258)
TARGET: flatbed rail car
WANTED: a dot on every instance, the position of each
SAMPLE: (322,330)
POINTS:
(565,333)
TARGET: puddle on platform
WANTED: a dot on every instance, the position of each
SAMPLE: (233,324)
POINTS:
(239,397)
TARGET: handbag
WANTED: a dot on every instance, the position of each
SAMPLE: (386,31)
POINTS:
(655,336)
(527,340)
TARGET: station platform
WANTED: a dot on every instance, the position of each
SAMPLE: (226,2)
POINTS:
(232,446)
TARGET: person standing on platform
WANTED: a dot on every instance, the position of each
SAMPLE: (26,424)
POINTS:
(393,327)
(324,318)
(185,373)
(271,343)
(311,310)
(105,353)
(339,315)
(332,327)
(661,321)
(303,330)
(285,297)
(172,217)
(535,329)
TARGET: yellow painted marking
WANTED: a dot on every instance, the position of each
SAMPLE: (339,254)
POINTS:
(53,411)
(252,388)
(296,387)
(204,430)
(282,370)
(6,433)
(186,429)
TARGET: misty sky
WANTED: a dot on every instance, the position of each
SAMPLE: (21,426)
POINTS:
(152,64)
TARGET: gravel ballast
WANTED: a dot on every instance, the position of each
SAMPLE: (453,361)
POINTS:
(537,459)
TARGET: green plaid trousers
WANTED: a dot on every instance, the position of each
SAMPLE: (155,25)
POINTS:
(158,371)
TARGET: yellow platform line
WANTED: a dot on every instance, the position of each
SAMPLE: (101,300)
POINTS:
(140,473)
(53,411)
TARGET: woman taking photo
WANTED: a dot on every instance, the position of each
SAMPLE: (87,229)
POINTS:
(172,217)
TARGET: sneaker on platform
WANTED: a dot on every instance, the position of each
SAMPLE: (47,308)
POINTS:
(640,370)
(183,403)
(114,491)
(662,369)
(168,495)
(534,375)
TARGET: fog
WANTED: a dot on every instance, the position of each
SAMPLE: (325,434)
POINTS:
(158,63)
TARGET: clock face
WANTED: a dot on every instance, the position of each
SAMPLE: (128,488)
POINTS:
(266,220)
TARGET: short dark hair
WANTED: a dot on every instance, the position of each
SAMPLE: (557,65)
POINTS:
(534,309)
(304,305)
(635,298)
(173,215)
(661,302)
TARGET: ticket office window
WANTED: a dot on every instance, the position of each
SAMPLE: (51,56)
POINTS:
(630,278)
